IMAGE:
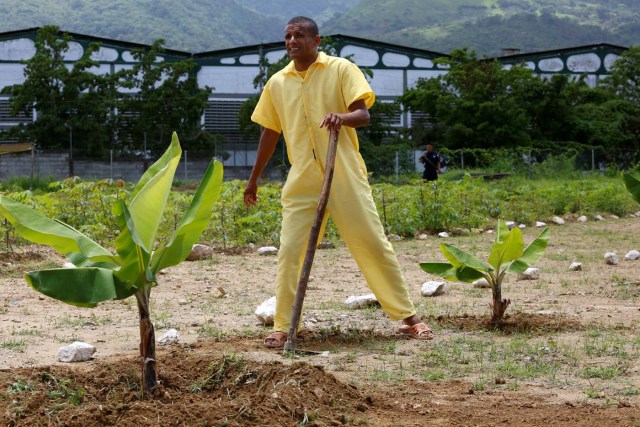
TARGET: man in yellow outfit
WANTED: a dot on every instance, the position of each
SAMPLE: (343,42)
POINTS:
(313,95)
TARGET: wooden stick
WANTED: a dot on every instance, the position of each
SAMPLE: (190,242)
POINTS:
(290,344)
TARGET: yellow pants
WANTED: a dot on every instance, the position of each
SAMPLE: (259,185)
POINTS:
(353,211)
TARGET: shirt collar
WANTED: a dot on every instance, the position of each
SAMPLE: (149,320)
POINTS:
(321,59)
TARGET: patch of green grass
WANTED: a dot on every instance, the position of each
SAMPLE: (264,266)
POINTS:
(79,321)
(32,332)
(19,346)
(162,320)
(209,331)
(602,372)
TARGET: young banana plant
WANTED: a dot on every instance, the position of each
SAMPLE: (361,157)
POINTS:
(508,255)
(100,275)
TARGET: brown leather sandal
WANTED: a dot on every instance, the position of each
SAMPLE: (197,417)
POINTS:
(419,331)
(275,339)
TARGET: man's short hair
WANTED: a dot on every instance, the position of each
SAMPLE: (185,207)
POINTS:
(307,21)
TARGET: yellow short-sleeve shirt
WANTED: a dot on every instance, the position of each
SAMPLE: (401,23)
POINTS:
(295,105)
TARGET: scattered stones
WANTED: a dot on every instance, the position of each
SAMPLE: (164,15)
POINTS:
(599,218)
(433,288)
(76,352)
(200,252)
(557,220)
(614,217)
(575,266)
(540,224)
(611,258)
(582,218)
(423,236)
(268,250)
(522,226)
(355,301)
(481,283)
(510,224)
(394,238)
(170,337)
(443,234)
(530,273)
(632,255)
(266,311)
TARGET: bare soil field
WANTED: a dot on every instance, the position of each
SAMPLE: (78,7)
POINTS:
(568,354)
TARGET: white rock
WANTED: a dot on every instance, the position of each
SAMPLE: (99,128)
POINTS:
(575,266)
(489,231)
(557,220)
(76,352)
(68,265)
(540,224)
(529,274)
(481,283)
(614,217)
(583,218)
(510,224)
(359,301)
(611,258)
(632,255)
(170,337)
(522,226)
(599,218)
(394,238)
(443,234)
(433,288)
(200,252)
(266,311)
(423,236)
(268,250)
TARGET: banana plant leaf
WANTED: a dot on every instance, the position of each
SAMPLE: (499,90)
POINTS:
(532,253)
(67,241)
(508,248)
(459,258)
(82,287)
(193,223)
(633,185)
(148,203)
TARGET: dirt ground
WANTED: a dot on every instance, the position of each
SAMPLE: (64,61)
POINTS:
(569,354)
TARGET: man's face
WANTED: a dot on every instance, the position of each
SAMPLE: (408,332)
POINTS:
(301,44)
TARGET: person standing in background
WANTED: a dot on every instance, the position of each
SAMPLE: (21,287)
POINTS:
(431,161)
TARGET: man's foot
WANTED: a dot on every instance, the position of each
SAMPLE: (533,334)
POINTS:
(275,340)
(417,331)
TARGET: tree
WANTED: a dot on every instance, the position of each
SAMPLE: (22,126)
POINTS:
(475,105)
(71,104)
(165,98)
(625,75)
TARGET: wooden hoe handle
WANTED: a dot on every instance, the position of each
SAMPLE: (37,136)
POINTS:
(290,344)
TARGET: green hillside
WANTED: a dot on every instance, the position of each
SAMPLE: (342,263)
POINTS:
(485,26)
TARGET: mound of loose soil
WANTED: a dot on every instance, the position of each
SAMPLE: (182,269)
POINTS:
(212,385)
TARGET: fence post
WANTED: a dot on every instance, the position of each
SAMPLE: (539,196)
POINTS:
(396,165)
